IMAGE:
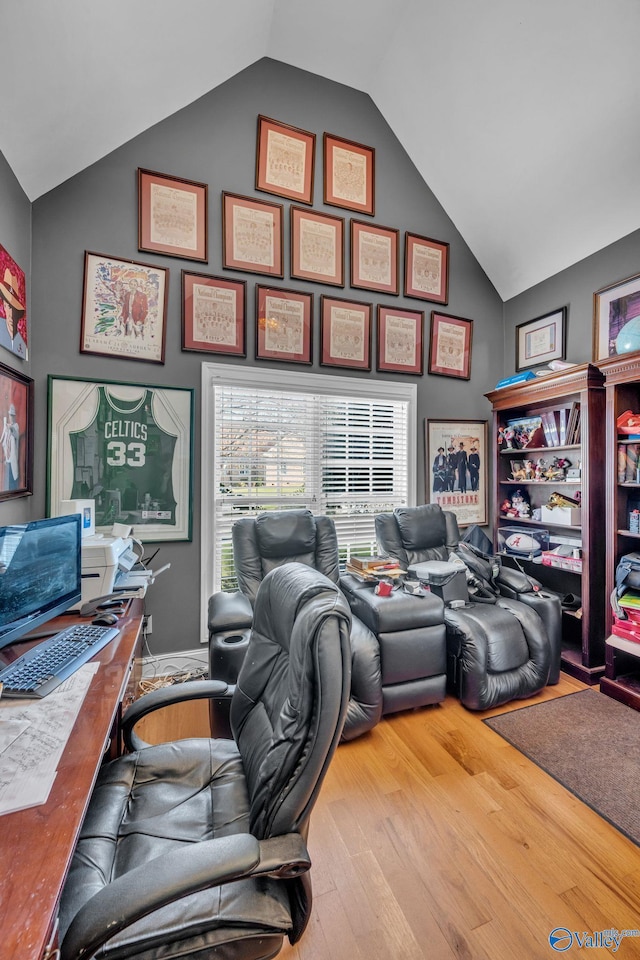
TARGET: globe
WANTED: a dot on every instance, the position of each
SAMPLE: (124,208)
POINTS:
(629,337)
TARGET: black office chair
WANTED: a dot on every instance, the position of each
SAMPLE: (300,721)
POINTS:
(197,848)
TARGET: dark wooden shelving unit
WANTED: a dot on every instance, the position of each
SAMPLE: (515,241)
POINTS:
(584,634)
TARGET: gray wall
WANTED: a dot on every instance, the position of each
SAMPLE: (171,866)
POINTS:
(214,141)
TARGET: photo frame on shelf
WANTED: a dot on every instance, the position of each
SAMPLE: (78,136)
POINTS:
(13,307)
(317,247)
(616,329)
(400,340)
(349,174)
(345,333)
(213,314)
(129,447)
(284,324)
(456,468)
(450,346)
(374,257)
(285,158)
(172,215)
(16,434)
(124,308)
(252,235)
(541,340)
(426,268)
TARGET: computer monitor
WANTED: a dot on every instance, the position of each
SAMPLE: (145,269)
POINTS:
(40,573)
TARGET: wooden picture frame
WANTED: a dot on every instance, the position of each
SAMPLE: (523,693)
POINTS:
(124,307)
(541,340)
(426,268)
(345,333)
(349,174)
(317,247)
(172,215)
(129,447)
(252,235)
(13,307)
(285,160)
(461,484)
(16,434)
(374,257)
(284,324)
(615,309)
(450,346)
(213,314)
(400,340)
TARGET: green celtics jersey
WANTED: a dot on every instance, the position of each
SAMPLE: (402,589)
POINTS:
(123,459)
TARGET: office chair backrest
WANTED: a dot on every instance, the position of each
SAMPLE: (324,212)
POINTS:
(280,536)
(415,534)
(291,697)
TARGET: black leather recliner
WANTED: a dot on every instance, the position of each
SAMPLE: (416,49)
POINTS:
(197,848)
(498,649)
(261,544)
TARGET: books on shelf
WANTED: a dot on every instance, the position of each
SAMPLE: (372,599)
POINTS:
(550,427)
(631,600)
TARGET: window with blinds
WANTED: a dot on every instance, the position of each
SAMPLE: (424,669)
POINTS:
(287,445)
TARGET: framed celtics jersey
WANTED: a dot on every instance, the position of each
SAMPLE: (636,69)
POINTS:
(128,447)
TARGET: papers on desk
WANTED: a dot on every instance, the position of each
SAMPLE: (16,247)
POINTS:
(33,735)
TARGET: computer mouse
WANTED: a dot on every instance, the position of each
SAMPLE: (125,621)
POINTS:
(105,620)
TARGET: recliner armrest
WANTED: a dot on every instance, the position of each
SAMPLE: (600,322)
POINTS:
(229,611)
(516,580)
(399,611)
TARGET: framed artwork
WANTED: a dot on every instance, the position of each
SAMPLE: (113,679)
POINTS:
(349,174)
(541,340)
(285,158)
(317,247)
(172,215)
(129,447)
(284,320)
(213,314)
(616,318)
(345,333)
(16,435)
(400,340)
(426,269)
(374,257)
(252,235)
(456,468)
(450,346)
(13,307)
(124,308)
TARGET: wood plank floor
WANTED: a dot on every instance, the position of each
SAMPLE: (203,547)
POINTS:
(434,838)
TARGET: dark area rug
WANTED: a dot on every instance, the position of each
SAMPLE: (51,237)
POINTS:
(590,744)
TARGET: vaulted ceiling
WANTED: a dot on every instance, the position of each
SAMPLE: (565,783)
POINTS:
(522,116)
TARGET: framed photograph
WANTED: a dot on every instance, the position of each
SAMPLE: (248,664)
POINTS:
(317,247)
(456,470)
(426,269)
(345,333)
(213,314)
(129,447)
(16,435)
(450,346)
(616,328)
(374,257)
(284,321)
(172,215)
(252,235)
(13,306)
(349,174)
(400,340)
(285,158)
(124,308)
(541,340)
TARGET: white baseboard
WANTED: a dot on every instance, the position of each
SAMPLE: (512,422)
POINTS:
(168,664)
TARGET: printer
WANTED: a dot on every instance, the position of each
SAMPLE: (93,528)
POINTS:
(106,564)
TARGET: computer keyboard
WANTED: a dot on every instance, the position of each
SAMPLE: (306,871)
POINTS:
(40,670)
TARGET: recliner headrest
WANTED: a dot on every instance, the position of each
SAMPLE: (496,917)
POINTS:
(421,527)
(289,533)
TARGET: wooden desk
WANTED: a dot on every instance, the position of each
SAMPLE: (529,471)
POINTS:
(38,843)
